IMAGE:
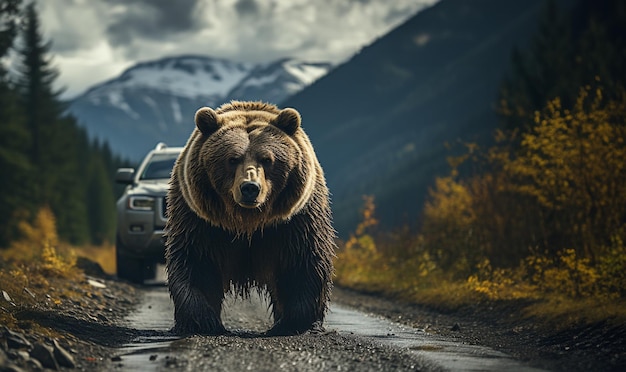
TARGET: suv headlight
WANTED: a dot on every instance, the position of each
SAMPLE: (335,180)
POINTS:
(141,203)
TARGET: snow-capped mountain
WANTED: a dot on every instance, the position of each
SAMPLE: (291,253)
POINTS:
(155,101)
(278,80)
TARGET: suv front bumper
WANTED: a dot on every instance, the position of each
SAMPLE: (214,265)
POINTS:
(141,232)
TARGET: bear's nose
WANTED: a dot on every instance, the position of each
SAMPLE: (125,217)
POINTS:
(250,190)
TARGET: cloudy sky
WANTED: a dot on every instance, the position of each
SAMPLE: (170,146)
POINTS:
(95,40)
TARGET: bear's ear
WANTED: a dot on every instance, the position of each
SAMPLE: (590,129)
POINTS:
(207,120)
(288,120)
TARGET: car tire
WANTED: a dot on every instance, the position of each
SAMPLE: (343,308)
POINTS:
(128,267)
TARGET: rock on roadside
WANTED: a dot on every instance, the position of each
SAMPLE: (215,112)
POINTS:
(68,325)
(21,352)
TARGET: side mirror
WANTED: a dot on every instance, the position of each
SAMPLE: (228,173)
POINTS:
(125,176)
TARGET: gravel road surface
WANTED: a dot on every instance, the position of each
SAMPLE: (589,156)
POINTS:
(353,341)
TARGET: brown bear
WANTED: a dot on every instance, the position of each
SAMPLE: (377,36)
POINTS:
(248,207)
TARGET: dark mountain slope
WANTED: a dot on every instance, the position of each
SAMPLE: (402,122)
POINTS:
(380,122)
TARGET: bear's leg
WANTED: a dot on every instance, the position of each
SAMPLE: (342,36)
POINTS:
(194,313)
(197,298)
(299,299)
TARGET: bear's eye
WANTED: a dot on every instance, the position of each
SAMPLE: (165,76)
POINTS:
(266,160)
(234,161)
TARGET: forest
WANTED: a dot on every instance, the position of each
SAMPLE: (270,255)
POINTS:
(540,215)
(47,161)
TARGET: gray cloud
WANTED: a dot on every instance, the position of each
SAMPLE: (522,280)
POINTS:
(94,40)
(247,8)
(67,41)
(150,19)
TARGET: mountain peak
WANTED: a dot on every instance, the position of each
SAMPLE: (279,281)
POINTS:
(186,76)
(155,100)
(276,81)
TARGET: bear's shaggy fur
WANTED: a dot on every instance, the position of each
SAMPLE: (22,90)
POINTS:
(248,207)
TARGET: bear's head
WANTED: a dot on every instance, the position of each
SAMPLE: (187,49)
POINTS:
(247,165)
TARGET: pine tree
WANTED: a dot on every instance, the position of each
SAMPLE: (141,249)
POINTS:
(100,202)
(15,165)
(53,149)
(573,48)
(40,100)
(14,138)
(68,182)
(9,12)
(535,75)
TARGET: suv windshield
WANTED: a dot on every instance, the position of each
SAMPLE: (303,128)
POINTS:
(159,167)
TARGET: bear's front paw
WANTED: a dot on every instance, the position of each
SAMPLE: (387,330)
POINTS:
(317,328)
(290,328)
(186,329)
(205,323)
(193,314)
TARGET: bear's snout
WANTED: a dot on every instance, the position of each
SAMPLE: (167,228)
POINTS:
(249,189)
(249,192)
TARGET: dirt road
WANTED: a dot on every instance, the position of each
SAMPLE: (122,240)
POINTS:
(353,341)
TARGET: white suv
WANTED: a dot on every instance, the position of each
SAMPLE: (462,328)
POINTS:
(141,214)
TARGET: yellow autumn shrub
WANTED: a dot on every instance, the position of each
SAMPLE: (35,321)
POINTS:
(500,283)
(392,262)
(448,223)
(567,275)
(612,269)
(39,245)
(573,163)
(358,259)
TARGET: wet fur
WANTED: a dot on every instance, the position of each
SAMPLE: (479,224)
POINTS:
(284,247)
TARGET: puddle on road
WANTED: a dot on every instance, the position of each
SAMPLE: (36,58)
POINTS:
(155,317)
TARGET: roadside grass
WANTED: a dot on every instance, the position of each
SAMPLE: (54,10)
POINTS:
(35,269)
(437,291)
(103,254)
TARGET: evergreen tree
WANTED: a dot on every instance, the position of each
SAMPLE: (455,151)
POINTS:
(573,48)
(39,99)
(15,166)
(14,138)
(45,157)
(101,191)
(100,202)
(9,12)
(68,181)
(53,148)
